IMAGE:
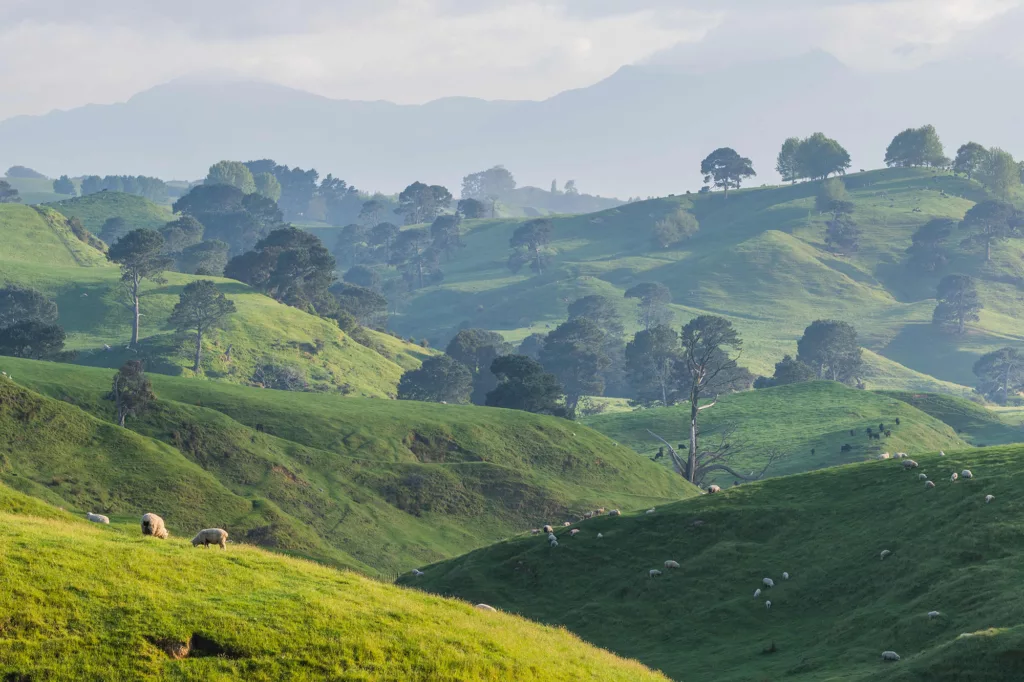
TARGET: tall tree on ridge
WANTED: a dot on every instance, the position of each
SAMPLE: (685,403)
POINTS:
(140,255)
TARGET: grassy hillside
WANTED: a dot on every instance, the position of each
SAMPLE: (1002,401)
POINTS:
(34,190)
(44,254)
(380,485)
(973,423)
(841,607)
(95,209)
(809,422)
(87,602)
(759,260)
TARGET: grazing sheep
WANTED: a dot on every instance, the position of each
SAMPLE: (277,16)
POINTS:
(211,536)
(535,531)
(966,473)
(551,537)
(933,614)
(768,604)
(484,607)
(654,573)
(989,498)
(785,576)
(929,484)
(909,464)
(548,529)
(757,593)
(588,515)
(650,511)
(614,512)
(901,455)
(714,489)
(671,564)
(599,511)
(952,479)
(885,553)
(574,531)
(566,524)
(890,656)
(154,525)
(942,453)
(884,455)
(553,543)
(97,518)
(417,572)
(600,535)
(922,477)
(768,582)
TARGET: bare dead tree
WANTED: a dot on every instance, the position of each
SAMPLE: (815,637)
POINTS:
(717,456)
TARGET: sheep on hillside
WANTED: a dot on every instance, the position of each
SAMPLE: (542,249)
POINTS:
(885,553)
(154,525)
(614,512)
(599,511)
(417,572)
(929,484)
(989,498)
(884,455)
(654,573)
(714,489)
(97,518)
(600,535)
(548,529)
(952,479)
(574,531)
(535,531)
(551,537)
(785,576)
(211,536)
(890,656)
(933,614)
(566,524)
(588,515)
(671,564)
(768,582)
(650,511)
(768,604)
(922,477)
(966,473)
(909,464)
(553,543)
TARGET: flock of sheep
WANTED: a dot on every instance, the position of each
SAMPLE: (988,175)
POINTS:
(154,525)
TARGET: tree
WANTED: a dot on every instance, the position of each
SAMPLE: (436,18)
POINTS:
(64,185)
(140,253)
(726,168)
(32,339)
(367,306)
(472,209)
(207,258)
(234,173)
(819,157)
(477,349)
(926,251)
(958,303)
(675,228)
(601,311)
(573,352)
(493,182)
(529,245)
(113,229)
(230,216)
(268,186)
(439,380)
(524,385)
(832,198)
(654,299)
(131,391)
(24,172)
(570,188)
(24,304)
(419,203)
(1000,374)
(8,195)
(446,235)
(992,221)
(342,203)
(916,147)
(789,370)
(830,348)
(181,233)
(372,212)
(384,235)
(787,164)
(200,308)
(416,256)
(651,359)
(554,187)
(352,244)
(842,235)
(1000,173)
(970,159)
(363,276)
(289,265)
(532,345)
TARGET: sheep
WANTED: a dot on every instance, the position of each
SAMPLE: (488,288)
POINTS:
(785,576)
(933,614)
(566,524)
(548,529)
(768,582)
(942,453)
(97,518)
(952,479)
(553,543)
(650,511)
(417,572)
(154,525)
(714,489)
(484,607)
(929,484)
(966,473)
(211,536)
(884,455)
(654,573)
(588,515)
(885,553)
(901,455)
(671,564)
(890,656)
(922,477)
(989,498)
(600,535)
(551,537)
(535,531)
(909,464)
(614,512)
(757,593)
(768,605)
(574,531)
(599,511)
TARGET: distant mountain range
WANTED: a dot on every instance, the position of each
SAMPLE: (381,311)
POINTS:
(642,131)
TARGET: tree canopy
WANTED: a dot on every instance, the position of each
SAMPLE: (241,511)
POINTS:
(32,339)
(675,228)
(991,221)
(916,147)
(787,164)
(419,203)
(140,253)
(1000,374)
(24,304)
(493,182)
(529,245)
(524,385)
(831,349)
(970,159)
(819,156)
(200,308)
(228,215)
(726,168)
(574,353)
(1000,173)
(653,299)
(234,173)
(651,365)
(289,265)
(64,185)
(476,349)
(958,303)
(439,380)
(927,251)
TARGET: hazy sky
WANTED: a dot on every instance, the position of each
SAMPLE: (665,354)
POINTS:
(65,53)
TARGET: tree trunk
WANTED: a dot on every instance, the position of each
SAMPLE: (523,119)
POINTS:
(664,394)
(135,311)
(988,250)
(199,350)
(691,465)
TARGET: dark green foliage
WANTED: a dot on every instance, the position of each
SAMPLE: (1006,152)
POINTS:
(363,276)
(958,303)
(476,349)
(602,311)
(351,247)
(532,345)
(64,185)
(32,339)
(289,265)
(842,235)
(83,235)
(446,235)
(267,185)
(970,159)
(113,229)
(992,221)
(1000,374)
(8,195)
(372,212)
(833,198)
(367,306)
(206,258)
(830,348)
(726,168)
(231,216)
(140,253)
(439,380)
(524,385)
(472,209)
(651,359)
(491,183)
(131,391)
(574,353)
(787,163)
(342,203)
(199,309)
(675,228)
(927,251)
(419,203)
(529,245)
(789,370)
(916,147)
(181,233)
(819,157)
(654,299)
(234,173)
(24,304)
(24,172)
(415,255)
(153,189)
(383,237)
(1000,173)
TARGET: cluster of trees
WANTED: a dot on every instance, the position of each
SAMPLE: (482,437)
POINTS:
(490,185)
(231,216)
(842,235)
(28,325)
(1000,374)
(153,189)
(813,158)
(300,194)
(8,195)
(828,350)
(24,173)
(916,147)
(675,228)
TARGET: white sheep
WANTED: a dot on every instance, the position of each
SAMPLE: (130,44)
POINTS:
(154,525)
(97,518)
(567,524)
(785,576)
(909,464)
(484,607)
(952,479)
(885,553)
(671,564)
(884,455)
(600,535)
(535,531)
(574,531)
(942,453)
(922,477)
(588,515)
(714,489)
(929,484)
(768,604)
(650,511)
(989,498)
(614,512)
(417,572)
(966,473)
(757,593)
(654,573)
(901,455)
(553,543)
(548,529)
(933,614)
(890,656)
(551,537)
(768,582)
(211,536)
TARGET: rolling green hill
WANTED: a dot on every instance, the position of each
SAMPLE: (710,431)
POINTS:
(375,484)
(975,424)
(88,602)
(95,209)
(809,422)
(841,608)
(760,261)
(43,253)
(34,190)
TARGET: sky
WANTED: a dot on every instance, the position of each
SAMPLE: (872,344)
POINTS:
(61,54)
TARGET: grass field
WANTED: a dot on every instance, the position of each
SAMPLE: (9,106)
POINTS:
(379,485)
(975,424)
(841,608)
(94,210)
(102,603)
